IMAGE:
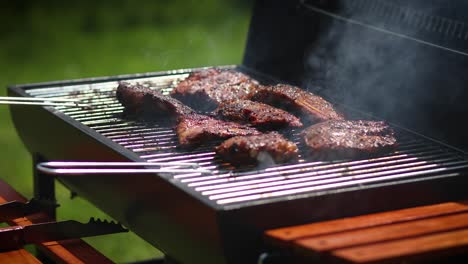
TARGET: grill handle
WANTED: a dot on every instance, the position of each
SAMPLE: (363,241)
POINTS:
(63,168)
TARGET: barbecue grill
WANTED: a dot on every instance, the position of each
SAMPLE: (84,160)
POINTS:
(218,216)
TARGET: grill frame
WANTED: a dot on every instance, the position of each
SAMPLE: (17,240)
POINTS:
(250,218)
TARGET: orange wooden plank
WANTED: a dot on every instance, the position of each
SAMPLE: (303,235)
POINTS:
(74,251)
(19,256)
(284,236)
(418,248)
(383,233)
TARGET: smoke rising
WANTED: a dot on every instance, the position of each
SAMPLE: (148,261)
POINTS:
(397,78)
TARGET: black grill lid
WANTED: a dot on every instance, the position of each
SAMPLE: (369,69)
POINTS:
(404,61)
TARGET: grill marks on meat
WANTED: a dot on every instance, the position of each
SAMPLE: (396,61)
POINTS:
(260,115)
(266,148)
(194,129)
(138,99)
(311,107)
(349,139)
(204,90)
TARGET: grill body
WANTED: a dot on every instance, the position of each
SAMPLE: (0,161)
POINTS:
(211,218)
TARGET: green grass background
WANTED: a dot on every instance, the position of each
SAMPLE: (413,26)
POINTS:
(58,40)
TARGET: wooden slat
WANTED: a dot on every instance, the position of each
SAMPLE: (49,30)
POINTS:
(284,236)
(420,248)
(400,235)
(19,256)
(384,233)
(74,251)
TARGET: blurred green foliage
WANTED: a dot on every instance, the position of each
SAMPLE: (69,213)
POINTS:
(57,40)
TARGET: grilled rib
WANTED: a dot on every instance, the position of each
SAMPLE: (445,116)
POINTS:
(194,129)
(265,148)
(141,100)
(131,96)
(204,90)
(349,139)
(260,115)
(191,128)
(308,106)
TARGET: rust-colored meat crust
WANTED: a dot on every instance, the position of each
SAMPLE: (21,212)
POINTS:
(141,100)
(349,139)
(131,96)
(194,129)
(260,115)
(266,148)
(304,104)
(204,90)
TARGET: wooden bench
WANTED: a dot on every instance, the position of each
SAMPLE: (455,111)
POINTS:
(73,251)
(413,234)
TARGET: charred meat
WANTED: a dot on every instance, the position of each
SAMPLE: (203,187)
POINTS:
(204,90)
(260,115)
(131,96)
(349,139)
(266,148)
(194,129)
(141,100)
(308,106)
(191,128)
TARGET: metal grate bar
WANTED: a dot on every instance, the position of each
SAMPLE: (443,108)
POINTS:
(314,178)
(332,182)
(337,186)
(297,172)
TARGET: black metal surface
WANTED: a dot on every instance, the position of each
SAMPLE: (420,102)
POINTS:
(211,218)
(412,53)
(44,187)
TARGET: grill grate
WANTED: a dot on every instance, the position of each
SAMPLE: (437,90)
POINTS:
(416,159)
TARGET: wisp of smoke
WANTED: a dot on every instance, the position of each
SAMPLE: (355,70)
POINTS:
(380,63)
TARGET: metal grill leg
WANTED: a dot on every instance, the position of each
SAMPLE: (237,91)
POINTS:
(44,185)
